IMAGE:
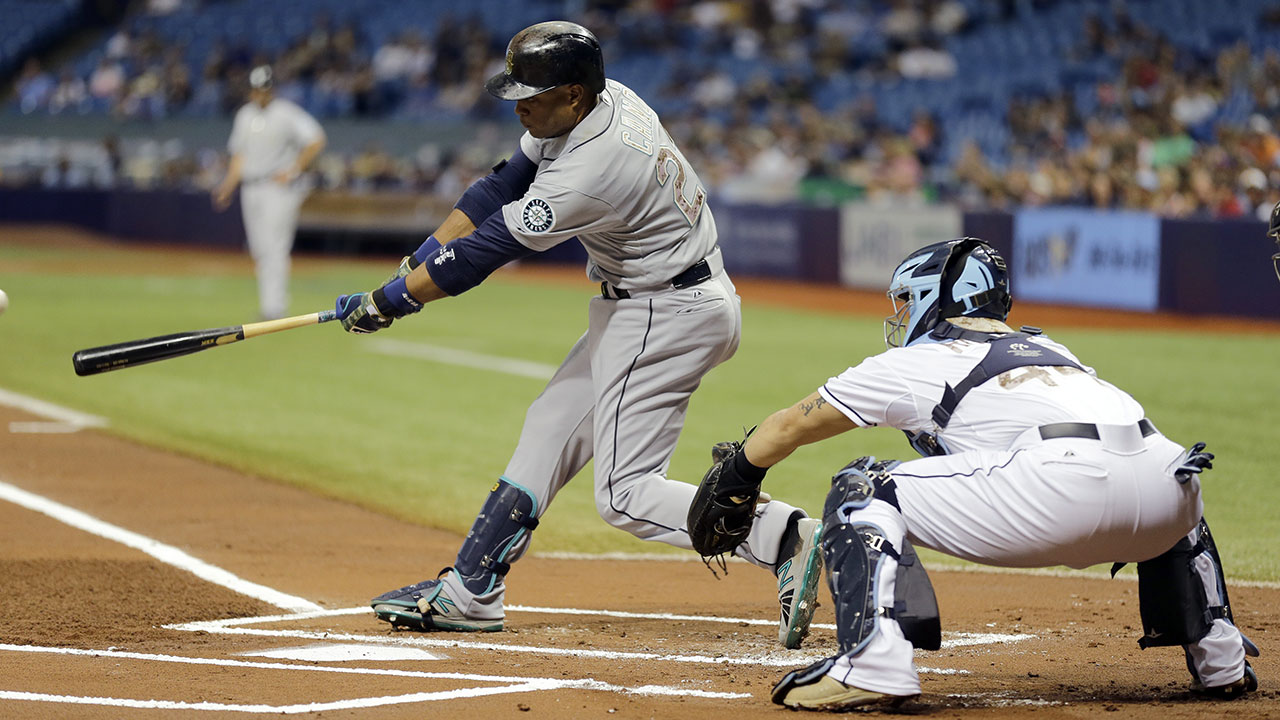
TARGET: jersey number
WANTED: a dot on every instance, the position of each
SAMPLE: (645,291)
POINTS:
(691,209)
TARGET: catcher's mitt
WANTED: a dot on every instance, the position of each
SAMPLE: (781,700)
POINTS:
(724,507)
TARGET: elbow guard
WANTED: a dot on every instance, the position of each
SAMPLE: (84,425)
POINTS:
(466,262)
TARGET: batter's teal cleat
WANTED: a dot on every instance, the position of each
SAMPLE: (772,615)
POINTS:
(427,606)
(798,580)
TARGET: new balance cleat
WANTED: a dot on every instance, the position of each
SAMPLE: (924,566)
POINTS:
(427,606)
(798,581)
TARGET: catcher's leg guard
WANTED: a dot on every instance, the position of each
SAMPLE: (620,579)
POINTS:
(500,531)
(914,604)
(854,550)
(1182,596)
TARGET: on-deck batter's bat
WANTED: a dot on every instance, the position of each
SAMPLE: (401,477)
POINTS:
(138,352)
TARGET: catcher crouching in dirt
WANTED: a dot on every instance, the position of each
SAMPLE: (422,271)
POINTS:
(1030,460)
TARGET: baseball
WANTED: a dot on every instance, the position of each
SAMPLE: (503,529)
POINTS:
(4,301)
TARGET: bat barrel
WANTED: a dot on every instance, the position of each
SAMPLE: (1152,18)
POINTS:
(138,352)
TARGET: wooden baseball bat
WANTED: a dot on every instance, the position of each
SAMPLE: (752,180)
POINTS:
(139,352)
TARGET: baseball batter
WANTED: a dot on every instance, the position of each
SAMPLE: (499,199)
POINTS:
(273,142)
(1030,460)
(597,165)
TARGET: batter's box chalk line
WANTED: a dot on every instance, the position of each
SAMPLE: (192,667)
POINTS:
(504,684)
(779,658)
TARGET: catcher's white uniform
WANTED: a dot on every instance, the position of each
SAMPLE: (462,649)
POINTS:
(1007,496)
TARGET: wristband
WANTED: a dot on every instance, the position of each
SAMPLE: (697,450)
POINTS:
(746,470)
(396,297)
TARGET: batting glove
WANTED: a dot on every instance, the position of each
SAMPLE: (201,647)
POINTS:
(359,312)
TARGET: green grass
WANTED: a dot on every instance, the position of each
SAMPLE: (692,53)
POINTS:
(423,441)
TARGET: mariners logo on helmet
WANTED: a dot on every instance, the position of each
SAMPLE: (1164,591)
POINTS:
(537,215)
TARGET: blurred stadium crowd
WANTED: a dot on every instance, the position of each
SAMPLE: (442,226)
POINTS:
(1162,105)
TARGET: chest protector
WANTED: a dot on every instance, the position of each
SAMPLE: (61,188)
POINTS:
(1005,352)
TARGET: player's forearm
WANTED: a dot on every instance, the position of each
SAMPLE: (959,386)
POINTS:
(308,155)
(808,421)
(421,286)
(455,226)
(234,168)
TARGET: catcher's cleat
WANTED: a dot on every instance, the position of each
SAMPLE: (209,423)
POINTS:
(810,688)
(427,606)
(1245,685)
(798,580)
(829,694)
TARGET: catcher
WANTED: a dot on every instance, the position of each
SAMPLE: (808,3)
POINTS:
(1030,460)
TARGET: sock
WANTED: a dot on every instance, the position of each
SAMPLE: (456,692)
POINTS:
(790,540)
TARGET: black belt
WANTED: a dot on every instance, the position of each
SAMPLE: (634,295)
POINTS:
(1086,430)
(697,273)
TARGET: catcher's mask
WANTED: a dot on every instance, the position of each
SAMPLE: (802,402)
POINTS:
(548,55)
(964,277)
(1273,232)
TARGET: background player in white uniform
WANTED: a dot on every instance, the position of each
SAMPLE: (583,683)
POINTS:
(273,142)
(1031,460)
(597,165)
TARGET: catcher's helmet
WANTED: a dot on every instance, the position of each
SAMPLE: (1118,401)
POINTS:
(548,55)
(945,280)
(1273,232)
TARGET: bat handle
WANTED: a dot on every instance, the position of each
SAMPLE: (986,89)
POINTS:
(325,316)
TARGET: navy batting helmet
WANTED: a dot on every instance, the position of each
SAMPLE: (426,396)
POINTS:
(548,55)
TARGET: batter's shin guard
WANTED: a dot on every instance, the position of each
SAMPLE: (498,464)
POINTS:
(854,552)
(509,514)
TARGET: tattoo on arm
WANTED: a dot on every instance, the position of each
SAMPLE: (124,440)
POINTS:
(808,407)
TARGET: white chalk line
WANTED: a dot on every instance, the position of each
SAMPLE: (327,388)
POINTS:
(64,420)
(583,683)
(781,658)
(164,553)
(308,708)
(462,358)
(950,639)
(515,684)
(1101,573)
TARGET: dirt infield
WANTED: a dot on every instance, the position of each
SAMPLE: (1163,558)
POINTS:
(1018,644)
(137,584)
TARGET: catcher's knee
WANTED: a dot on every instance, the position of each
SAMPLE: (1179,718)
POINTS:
(857,484)
(501,530)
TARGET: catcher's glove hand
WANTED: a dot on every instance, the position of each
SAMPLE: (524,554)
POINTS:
(724,507)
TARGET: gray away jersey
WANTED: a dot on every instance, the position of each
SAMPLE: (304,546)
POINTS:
(617,182)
